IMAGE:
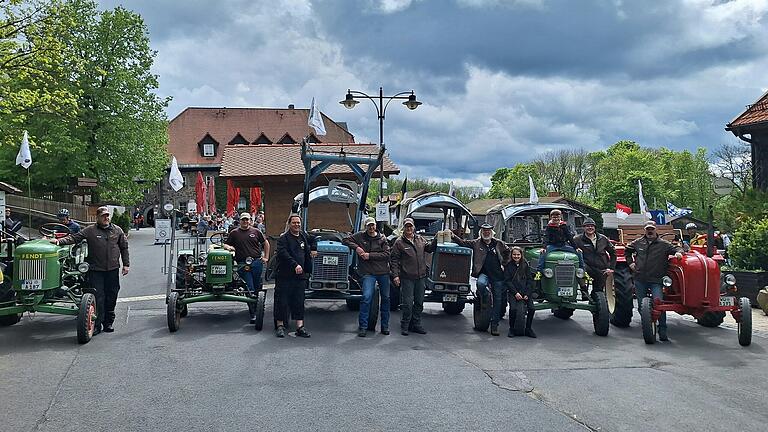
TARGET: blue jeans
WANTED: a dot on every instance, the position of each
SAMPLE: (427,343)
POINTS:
(369,286)
(566,248)
(252,278)
(498,291)
(642,289)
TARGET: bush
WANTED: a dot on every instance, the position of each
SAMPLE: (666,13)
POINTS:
(749,249)
(123,220)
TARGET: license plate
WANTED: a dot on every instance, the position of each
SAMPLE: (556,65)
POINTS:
(330,260)
(727,301)
(218,269)
(565,292)
(450,298)
(32,284)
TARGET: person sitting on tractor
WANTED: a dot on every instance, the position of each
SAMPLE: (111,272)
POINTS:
(64,219)
(489,255)
(692,237)
(559,237)
(598,252)
(248,242)
(648,258)
(519,283)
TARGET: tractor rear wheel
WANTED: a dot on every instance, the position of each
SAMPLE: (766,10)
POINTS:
(481,310)
(353,304)
(453,308)
(745,325)
(373,312)
(623,288)
(9,320)
(86,318)
(173,312)
(711,319)
(601,317)
(258,316)
(646,319)
(563,313)
(394,297)
(518,322)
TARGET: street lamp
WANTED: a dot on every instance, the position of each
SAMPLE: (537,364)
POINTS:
(411,103)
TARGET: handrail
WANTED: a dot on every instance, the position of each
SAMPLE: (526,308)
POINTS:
(77,212)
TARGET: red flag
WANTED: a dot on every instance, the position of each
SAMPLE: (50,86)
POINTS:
(255,200)
(233,198)
(200,193)
(622,211)
(211,196)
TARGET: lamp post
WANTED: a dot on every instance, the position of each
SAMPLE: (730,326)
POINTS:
(381,108)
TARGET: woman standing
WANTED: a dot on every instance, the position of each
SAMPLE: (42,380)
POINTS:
(517,277)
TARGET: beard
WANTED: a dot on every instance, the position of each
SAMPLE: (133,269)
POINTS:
(486,237)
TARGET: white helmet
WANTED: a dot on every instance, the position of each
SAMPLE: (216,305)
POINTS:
(690,225)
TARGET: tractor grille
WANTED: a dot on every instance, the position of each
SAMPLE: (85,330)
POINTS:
(330,272)
(32,269)
(564,275)
(451,268)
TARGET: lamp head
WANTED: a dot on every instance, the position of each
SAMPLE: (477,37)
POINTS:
(349,101)
(412,103)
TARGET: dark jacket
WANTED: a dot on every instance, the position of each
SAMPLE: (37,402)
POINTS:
(518,279)
(106,246)
(378,248)
(601,255)
(292,251)
(651,258)
(479,252)
(559,235)
(409,259)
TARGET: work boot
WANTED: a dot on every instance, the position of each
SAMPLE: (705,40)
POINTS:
(419,329)
(528,322)
(280,332)
(361,332)
(302,332)
(511,332)
(663,334)
(385,331)
(494,329)
(529,332)
(108,328)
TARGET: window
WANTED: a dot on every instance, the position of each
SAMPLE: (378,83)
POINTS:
(207,146)
(238,140)
(208,150)
(262,139)
(287,139)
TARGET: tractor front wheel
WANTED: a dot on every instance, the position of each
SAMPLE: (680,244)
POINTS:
(646,319)
(711,319)
(481,310)
(453,308)
(622,288)
(601,318)
(258,316)
(9,320)
(518,323)
(86,318)
(745,325)
(173,312)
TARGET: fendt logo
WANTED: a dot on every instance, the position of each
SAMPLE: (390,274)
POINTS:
(219,258)
(31,256)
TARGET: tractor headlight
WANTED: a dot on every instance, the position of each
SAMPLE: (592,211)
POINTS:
(580,273)
(666,281)
(730,279)
(249,260)
(439,287)
(463,288)
(548,273)
(83,267)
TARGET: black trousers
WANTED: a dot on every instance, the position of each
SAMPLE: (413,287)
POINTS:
(530,310)
(289,297)
(107,286)
(598,278)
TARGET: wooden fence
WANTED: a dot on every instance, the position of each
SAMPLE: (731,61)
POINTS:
(45,208)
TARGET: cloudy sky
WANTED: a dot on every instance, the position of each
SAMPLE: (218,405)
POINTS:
(502,81)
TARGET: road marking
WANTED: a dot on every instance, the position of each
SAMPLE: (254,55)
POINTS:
(141,298)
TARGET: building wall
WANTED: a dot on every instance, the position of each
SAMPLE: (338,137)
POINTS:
(760,160)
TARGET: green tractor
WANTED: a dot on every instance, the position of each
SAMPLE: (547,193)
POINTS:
(205,272)
(559,284)
(48,278)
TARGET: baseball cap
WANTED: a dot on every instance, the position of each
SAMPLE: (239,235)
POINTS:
(486,226)
(245,215)
(649,224)
(588,221)
(368,221)
(101,210)
(408,221)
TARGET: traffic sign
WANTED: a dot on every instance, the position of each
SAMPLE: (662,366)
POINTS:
(723,186)
(659,217)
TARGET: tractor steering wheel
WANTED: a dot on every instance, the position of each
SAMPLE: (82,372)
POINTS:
(531,238)
(51,229)
(217,238)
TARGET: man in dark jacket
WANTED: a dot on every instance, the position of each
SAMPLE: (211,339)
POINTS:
(295,250)
(248,242)
(648,258)
(517,277)
(107,245)
(372,249)
(598,252)
(489,255)
(409,272)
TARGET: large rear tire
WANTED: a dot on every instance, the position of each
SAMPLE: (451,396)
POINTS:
(453,308)
(518,323)
(623,289)
(353,304)
(173,312)
(601,317)
(711,319)
(481,310)
(745,325)
(258,316)
(646,320)
(373,312)
(86,318)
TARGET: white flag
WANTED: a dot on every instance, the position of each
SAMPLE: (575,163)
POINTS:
(175,179)
(24,158)
(451,190)
(316,119)
(644,210)
(534,196)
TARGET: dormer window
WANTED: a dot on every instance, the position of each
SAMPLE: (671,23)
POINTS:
(313,139)
(262,139)
(209,150)
(208,146)
(238,140)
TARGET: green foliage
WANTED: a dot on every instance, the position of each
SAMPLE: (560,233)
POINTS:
(123,220)
(85,93)
(464,194)
(730,211)
(748,249)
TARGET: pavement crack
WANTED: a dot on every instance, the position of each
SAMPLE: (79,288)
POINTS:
(44,417)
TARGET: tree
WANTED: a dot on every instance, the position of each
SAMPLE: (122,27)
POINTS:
(734,161)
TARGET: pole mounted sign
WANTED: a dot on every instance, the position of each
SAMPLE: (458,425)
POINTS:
(723,186)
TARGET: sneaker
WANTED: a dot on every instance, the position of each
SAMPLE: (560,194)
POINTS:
(253,320)
(529,332)
(361,332)
(510,333)
(663,334)
(96,331)
(494,329)
(280,332)
(404,332)
(302,332)
(108,328)
(385,331)
(419,330)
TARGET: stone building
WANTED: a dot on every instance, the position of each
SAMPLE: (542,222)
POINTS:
(751,126)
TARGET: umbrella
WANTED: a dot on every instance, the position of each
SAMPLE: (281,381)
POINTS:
(211,196)
(200,193)
(233,197)
(255,199)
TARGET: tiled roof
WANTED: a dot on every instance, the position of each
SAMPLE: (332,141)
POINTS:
(223,124)
(259,163)
(754,114)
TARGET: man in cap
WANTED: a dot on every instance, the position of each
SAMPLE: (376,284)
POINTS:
(372,249)
(599,254)
(64,219)
(107,246)
(488,259)
(409,271)
(295,250)
(248,242)
(648,258)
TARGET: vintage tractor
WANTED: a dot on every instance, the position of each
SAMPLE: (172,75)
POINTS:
(208,273)
(50,279)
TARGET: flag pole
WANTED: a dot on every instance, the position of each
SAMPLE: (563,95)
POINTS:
(29,197)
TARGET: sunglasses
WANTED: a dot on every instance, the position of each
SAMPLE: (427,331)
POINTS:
(650,229)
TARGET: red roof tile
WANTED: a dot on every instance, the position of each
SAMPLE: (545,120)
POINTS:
(754,114)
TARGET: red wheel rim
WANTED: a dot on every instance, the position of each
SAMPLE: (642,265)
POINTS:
(89,321)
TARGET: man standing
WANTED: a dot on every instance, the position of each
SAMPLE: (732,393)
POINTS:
(372,250)
(248,242)
(489,255)
(599,254)
(409,272)
(260,223)
(295,250)
(64,219)
(648,258)
(107,245)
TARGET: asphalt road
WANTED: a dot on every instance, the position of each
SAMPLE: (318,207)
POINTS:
(218,373)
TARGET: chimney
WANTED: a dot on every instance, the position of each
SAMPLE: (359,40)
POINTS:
(290,106)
